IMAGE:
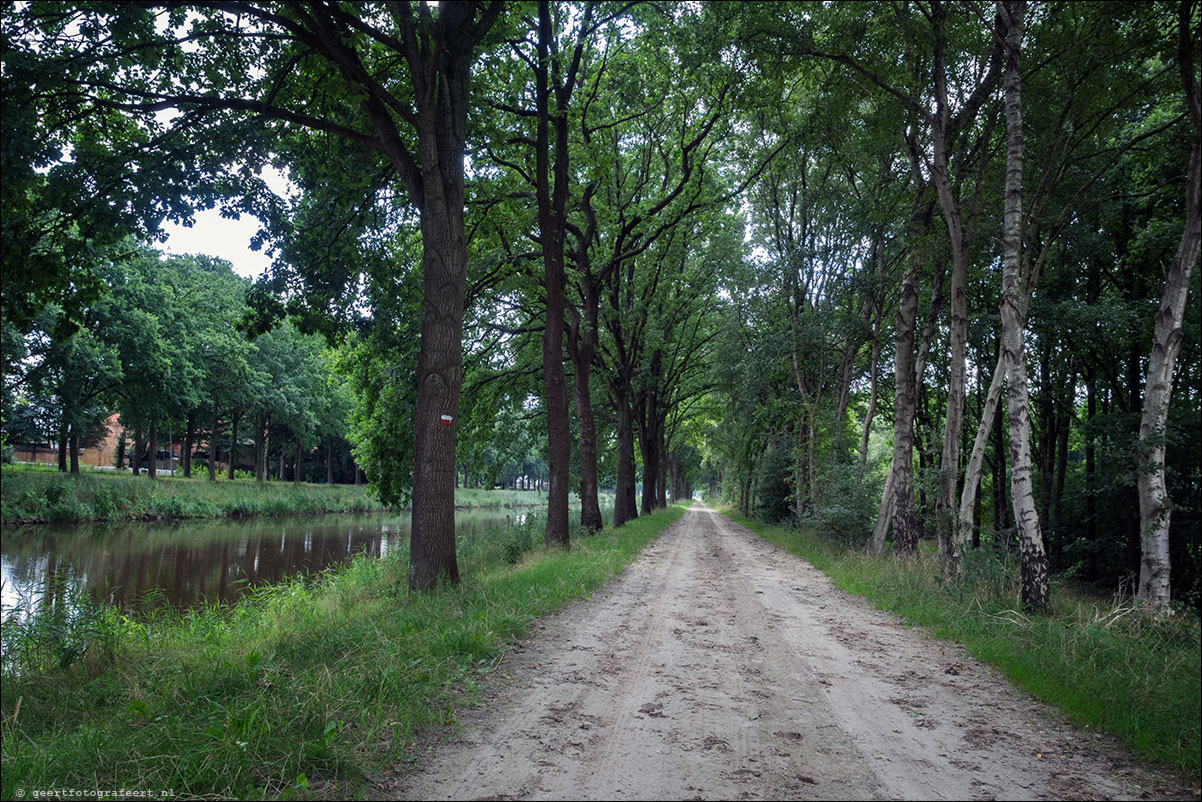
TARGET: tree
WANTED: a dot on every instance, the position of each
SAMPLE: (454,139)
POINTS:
(1035,589)
(1154,509)
(319,67)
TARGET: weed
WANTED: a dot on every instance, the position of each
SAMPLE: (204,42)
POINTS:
(1106,664)
(327,677)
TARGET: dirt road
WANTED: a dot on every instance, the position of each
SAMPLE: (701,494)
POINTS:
(720,667)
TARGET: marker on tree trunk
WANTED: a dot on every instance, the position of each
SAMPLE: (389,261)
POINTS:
(445,420)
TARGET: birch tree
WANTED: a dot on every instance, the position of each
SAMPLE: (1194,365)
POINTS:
(1154,509)
(1035,590)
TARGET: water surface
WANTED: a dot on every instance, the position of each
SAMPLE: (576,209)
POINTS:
(189,563)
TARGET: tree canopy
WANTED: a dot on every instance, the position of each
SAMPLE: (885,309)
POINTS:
(793,253)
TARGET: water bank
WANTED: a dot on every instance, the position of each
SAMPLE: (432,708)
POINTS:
(28,497)
(306,689)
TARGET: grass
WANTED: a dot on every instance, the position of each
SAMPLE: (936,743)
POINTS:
(305,688)
(27,497)
(39,494)
(1107,665)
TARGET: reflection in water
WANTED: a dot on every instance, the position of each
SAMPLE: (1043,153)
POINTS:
(191,563)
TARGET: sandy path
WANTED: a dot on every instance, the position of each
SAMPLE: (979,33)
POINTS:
(720,667)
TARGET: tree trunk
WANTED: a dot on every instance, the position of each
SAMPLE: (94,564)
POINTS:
(1034,564)
(234,443)
(649,449)
(213,444)
(136,462)
(261,443)
(661,487)
(440,377)
(590,505)
(1154,508)
(551,219)
(152,453)
(189,435)
(872,391)
(62,448)
(972,473)
(296,464)
(330,465)
(899,487)
(949,467)
(624,503)
(73,447)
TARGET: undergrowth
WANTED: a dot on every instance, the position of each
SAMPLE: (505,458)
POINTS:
(1107,664)
(44,496)
(310,684)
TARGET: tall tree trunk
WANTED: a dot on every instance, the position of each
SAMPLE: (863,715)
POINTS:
(234,443)
(972,473)
(213,444)
(330,465)
(649,449)
(624,503)
(590,505)
(73,447)
(189,436)
(661,493)
(296,464)
(136,462)
(439,58)
(62,447)
(899,485)
(1034,563)
(152,453)
(261,447)
(949,467)
(905,527)
(872,392)
(551,218)
(1154,508)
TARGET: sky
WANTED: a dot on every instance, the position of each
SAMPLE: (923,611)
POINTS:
(227,239)
(215,236)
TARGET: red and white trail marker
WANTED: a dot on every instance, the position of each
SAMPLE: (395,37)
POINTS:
(445,420)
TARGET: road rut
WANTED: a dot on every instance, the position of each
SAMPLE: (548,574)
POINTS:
(720,667)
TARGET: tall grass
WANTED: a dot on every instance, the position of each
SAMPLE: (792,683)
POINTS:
(1105,663)
(41,496)
(45,497)
(308,688)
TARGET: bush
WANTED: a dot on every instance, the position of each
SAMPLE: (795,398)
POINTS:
(773,496)
(519,539)
(846,512)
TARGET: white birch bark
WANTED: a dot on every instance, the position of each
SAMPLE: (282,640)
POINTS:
(1154,509)
(972,473)
(1035,588)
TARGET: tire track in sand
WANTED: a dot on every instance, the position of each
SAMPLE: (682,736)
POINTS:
(720,667)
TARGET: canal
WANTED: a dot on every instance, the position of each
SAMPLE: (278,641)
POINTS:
(182,564)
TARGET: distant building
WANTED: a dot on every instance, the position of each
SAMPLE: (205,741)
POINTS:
(102,455)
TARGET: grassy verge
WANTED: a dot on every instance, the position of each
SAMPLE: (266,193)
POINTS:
(302,689)
(46,496)
(1106,665)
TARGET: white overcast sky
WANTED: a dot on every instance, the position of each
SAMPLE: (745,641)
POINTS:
(214,235)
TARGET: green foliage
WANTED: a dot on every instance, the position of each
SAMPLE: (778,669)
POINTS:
(27,496)
(774,501)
